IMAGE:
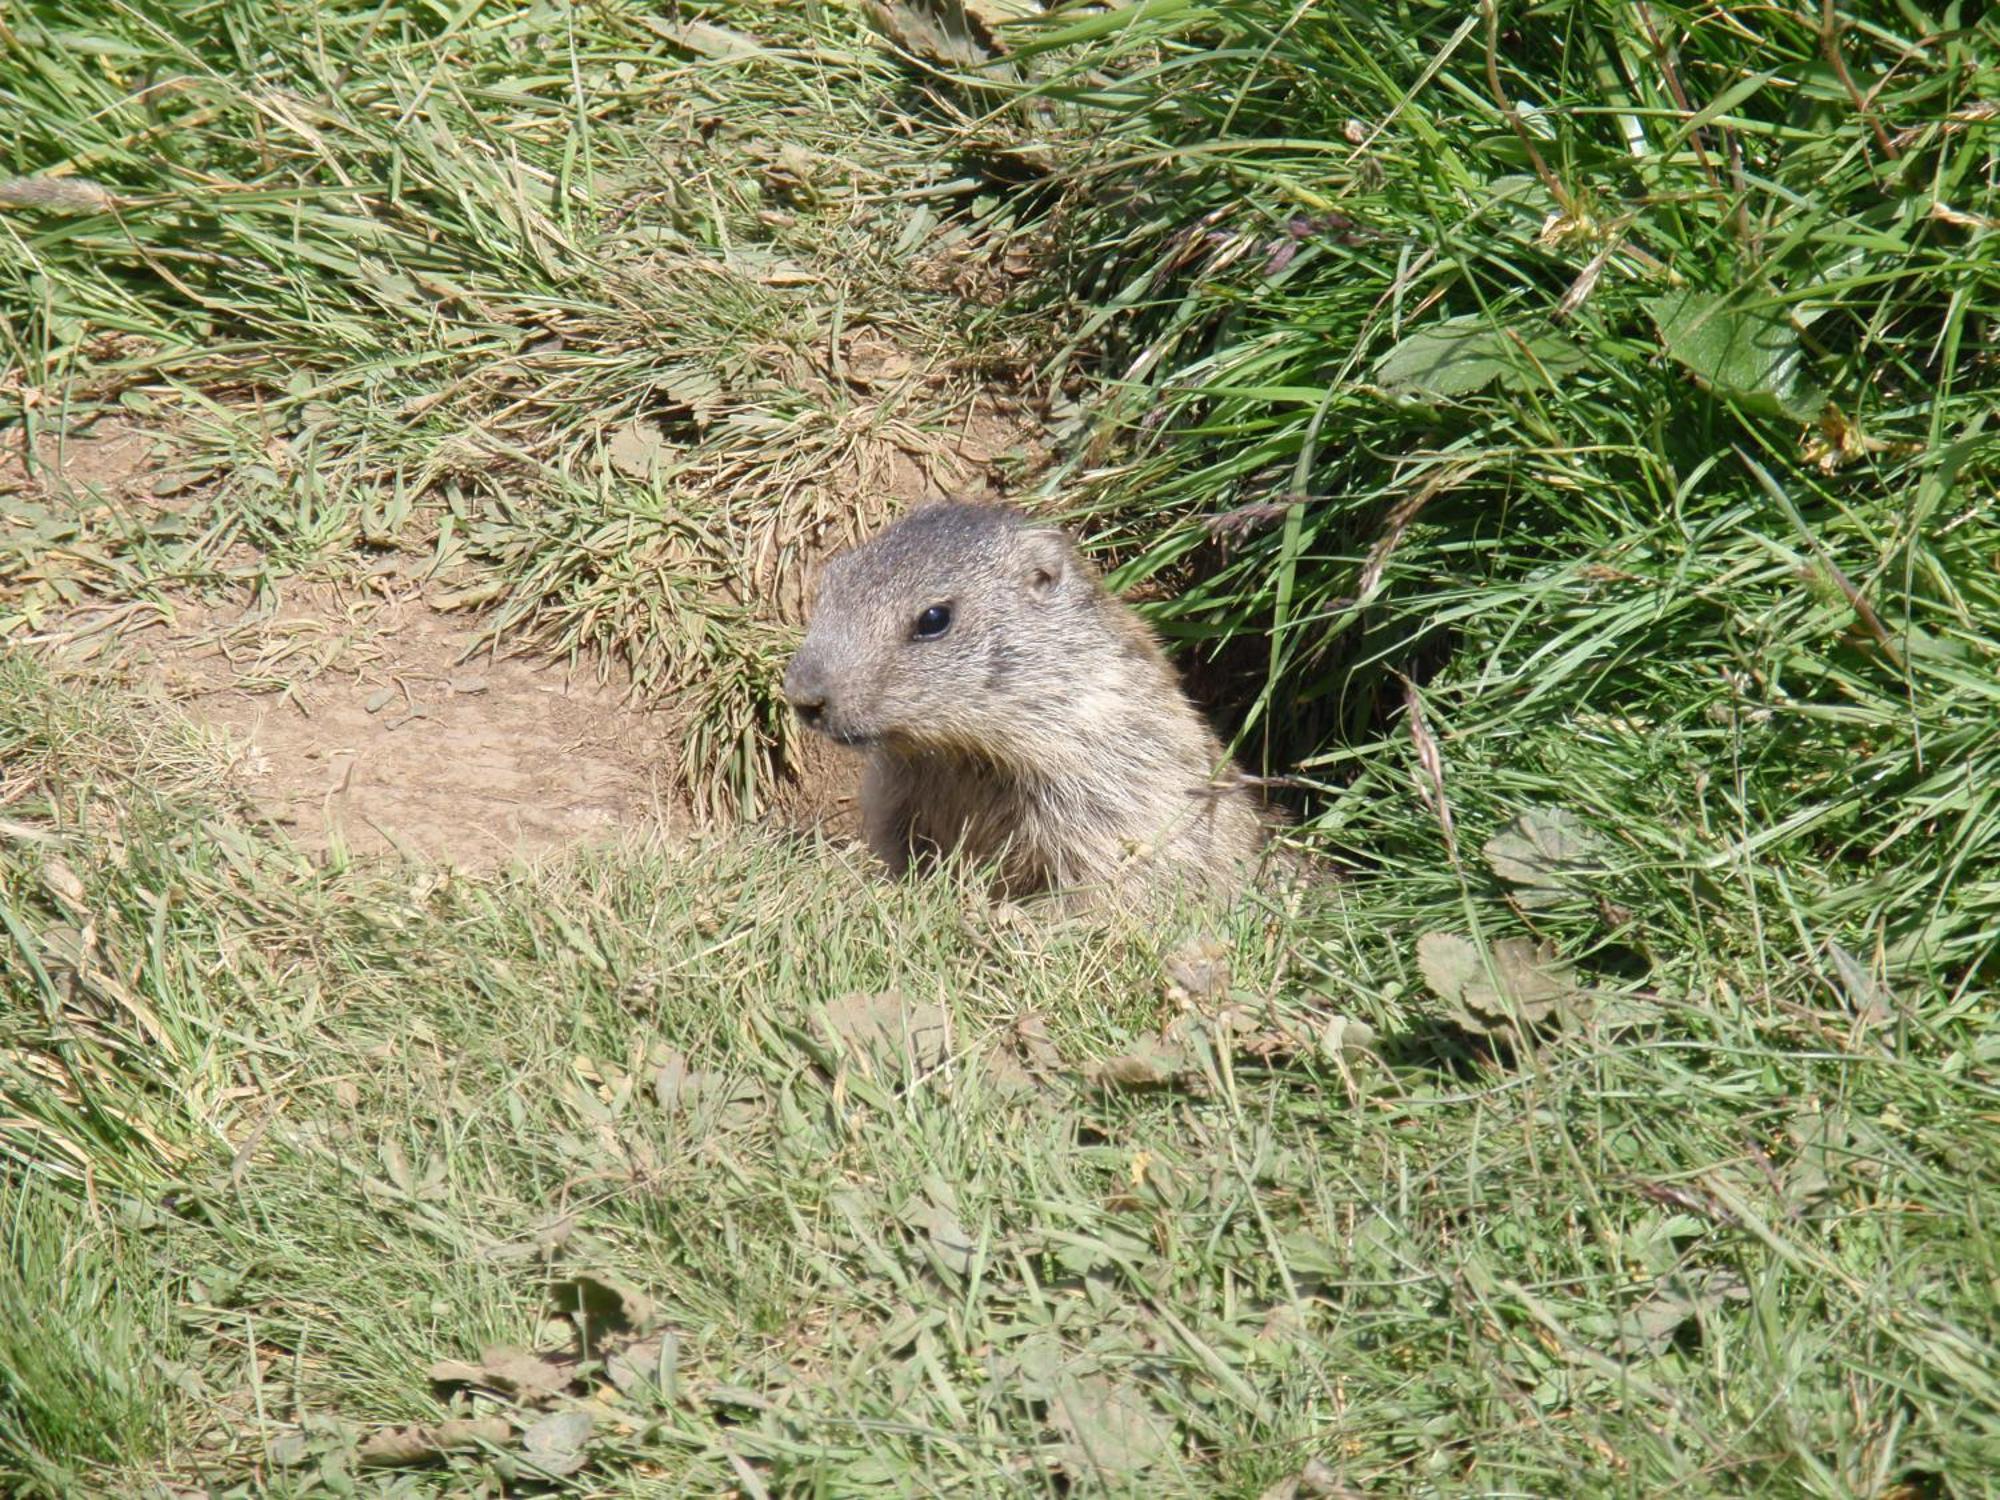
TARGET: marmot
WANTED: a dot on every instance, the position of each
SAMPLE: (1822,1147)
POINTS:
(1015,714)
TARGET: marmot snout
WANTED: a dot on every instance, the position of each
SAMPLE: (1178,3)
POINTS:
(1014,712)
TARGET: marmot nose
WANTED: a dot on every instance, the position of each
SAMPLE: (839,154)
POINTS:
(805,690)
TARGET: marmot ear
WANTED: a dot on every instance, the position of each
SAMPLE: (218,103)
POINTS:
(1047,559)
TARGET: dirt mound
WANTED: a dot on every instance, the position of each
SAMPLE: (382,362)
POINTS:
(357,711)
(363,718)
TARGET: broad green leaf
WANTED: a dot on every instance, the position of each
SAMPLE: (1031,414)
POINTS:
(1751,357)
(1462,355)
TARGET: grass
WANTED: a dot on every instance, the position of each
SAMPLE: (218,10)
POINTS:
(555,318)
(1484,356)
(1574,474)
(79,1389)
(1726,1244)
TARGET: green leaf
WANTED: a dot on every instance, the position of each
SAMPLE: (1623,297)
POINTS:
(1650,1327)
(1519,983)
(1547,853)
(1752,358)
(1462,355)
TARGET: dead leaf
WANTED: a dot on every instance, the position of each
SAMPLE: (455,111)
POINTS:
(1343,1036)
(888,1030)
(1108,1427)
(947,1236)
(1198,971)
(1006,1075)
(510,1371)
(1316,1481)
(1038,1049)
(947,33)
(1873,1002)
(1148,1064)
(424,1442)
(603,1303)
(644,1365)
(62,883)
(555,1444)
(706,39)
(1532,987)
(639,449)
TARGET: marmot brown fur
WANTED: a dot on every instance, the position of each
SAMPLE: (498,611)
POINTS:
(1015,714)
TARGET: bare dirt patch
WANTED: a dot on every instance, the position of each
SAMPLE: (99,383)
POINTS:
(356,711)
(357,717)
(108,456)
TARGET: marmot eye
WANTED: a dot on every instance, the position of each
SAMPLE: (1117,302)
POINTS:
(932,623)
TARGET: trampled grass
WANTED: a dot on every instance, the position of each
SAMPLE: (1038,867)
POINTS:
(1615,666)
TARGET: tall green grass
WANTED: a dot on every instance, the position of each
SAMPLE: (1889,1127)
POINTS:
(1617,380)
(87,1344)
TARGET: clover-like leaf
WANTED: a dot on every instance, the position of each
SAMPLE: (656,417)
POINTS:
(1752,356)
(1548,853)
(1459,356)
(1518,983)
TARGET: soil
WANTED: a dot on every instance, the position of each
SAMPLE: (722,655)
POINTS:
(363,719)
(113,457)
(353,710)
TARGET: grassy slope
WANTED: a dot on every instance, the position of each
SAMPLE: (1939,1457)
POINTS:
(279,1137)
(1752,566)
(547,312)
(336,1123)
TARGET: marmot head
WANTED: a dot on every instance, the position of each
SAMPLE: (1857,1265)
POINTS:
(957,630)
